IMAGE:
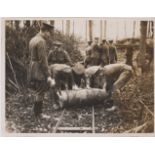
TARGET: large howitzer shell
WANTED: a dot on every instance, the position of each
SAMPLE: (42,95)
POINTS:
(82,97)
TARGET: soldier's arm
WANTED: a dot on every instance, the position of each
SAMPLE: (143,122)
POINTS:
(49,56)
(107,54)
(115,53)
(43,58)
(68,58)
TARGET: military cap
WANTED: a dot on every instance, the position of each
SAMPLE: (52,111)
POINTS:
(27,22)
(104,40)
(47,26)
(89,42)
(110,41)
(79,68)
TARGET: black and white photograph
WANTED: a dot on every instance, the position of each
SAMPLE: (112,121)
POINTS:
(85,76)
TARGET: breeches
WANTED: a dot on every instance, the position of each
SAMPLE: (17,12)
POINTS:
(39,88)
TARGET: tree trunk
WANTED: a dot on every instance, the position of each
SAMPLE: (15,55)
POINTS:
(105,29)
(143,32)
(125,32)
(101,30)
(73,28)
(90,30)
(62,26)
(134,28)
(68,27)
(152,29)
(86,32)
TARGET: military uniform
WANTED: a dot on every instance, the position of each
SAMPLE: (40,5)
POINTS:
(116,75)
(59,57)
(112,54)
(88,55)
(38,70)
(104,54)
(95,56)
(129,56)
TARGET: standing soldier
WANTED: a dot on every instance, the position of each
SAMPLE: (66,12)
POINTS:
(95,55)
(39,74)
(88,53)
(104,53)
(129,55)
(58,55)
(112,52)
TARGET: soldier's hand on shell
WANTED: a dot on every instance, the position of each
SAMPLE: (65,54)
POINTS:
(51,82)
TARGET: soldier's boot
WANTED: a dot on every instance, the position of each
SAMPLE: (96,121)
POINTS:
(108,103)
(37,108)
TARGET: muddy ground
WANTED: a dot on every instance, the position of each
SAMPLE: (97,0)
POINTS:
(133,107)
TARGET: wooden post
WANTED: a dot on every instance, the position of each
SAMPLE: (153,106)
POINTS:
(90,30)
(93,120)
(58,122)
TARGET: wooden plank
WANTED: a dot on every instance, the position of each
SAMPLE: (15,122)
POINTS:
(14,74)
(138,129)
(13,83)
(59,121)
(146,108)
(93,120)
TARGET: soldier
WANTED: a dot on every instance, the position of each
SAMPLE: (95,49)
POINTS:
(89,47)
(58,55)
(39,74)
(18,40)
(95,55)
(88,53)
(16,25)
(63,76)
(114,77)
(78,71)
(129,55)
(90,76)
(104,53)
(112,52)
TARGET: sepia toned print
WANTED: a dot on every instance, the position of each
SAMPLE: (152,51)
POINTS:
(79,75)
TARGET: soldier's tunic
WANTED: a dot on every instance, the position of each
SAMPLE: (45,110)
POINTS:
(88,55)
(95,56)
(59,57)
(38,69)
(104,55)
(116,75)
(112,54)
